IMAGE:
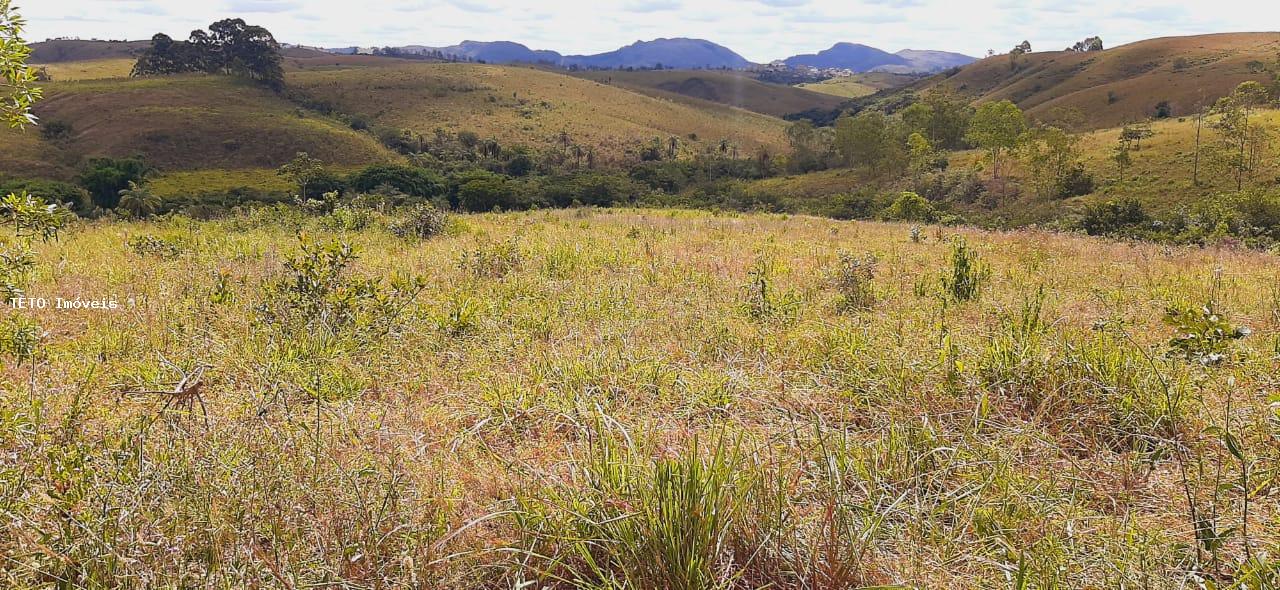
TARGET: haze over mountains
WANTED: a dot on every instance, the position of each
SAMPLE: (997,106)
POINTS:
(684,53)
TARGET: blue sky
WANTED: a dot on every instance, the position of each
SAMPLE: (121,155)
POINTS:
(761,30)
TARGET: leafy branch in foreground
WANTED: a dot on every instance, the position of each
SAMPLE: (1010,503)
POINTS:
(16,77)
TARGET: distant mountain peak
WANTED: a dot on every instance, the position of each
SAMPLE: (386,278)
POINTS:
(845,55)
(676,52)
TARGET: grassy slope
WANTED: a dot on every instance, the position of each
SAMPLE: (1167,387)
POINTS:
(47,52)
(530,106)
(96,69)
(630,327)
(863,84)
(730,88)
(1138,76)
(181,123)
(1160,176)
(842,87)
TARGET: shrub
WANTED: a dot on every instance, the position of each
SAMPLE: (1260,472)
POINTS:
(164,248)
(492,260)
(589,188)
(520,164)
(968,272)
(55,130)
(348,219)
(910,206)
(317,293)
(1074,183)
(489,193)
(853,279)
(761,298)
(669,176)
(416,182)
(104,178)
(863,204)
(1112,217)
(421,222)
(1204,334)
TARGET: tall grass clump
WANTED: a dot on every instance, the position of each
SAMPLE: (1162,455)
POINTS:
(963,282)
(1015,356)
(638,523)
(762,299)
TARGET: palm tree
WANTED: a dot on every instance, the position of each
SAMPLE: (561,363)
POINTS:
(138,201)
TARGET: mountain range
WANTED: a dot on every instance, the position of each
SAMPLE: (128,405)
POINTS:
(684,53)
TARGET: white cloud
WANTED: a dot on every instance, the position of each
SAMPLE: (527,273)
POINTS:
(761,30)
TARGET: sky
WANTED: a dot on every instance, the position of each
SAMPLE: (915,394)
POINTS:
(760,30)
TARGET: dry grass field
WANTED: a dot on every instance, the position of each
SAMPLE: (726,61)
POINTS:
(96,69)
(637,399)
(863,84)
(533,107)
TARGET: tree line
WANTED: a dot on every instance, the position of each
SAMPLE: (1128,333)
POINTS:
(230,47)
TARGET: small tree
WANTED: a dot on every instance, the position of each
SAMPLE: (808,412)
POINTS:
(138,201)
(302,170)
(16,91)
(996,128)
(1120,155)
(1242,143)
(1051,156)
(910,206)
(1136,132)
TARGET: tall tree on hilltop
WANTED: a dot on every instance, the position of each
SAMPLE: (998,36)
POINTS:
(230,47)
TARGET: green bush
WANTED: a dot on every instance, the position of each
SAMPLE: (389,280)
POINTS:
(421,222)
(104,178)
(489,193)
(1114,217)
(589,188)
(968,272)
(417,182)
(1074,183)
(910,206)
(863,204)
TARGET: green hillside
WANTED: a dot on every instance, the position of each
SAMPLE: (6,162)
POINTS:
(530,106)
(1123,83)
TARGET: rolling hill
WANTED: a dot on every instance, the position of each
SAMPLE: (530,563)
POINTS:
(1124,83)
(864,84)
(178,123)
(529,106)
(730,88)
(64,50)
(926,61)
